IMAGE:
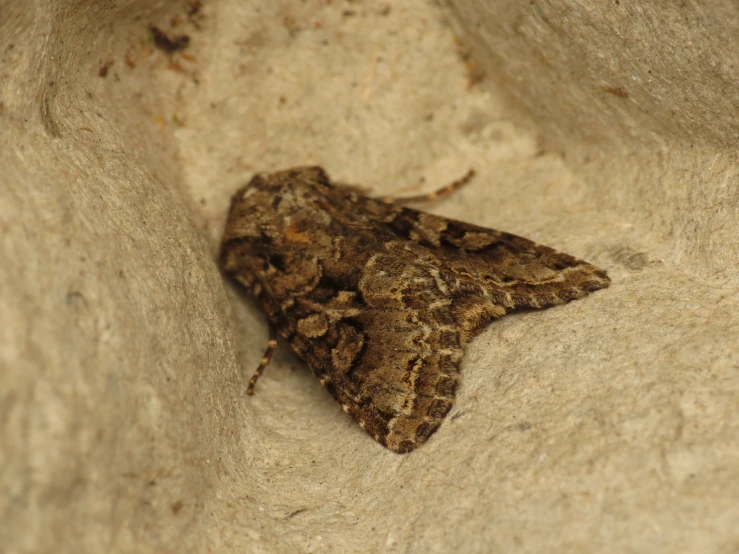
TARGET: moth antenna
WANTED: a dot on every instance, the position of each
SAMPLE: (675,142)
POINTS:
(266,358)
(430,197)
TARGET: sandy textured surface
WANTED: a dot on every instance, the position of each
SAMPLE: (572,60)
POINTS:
(607,425)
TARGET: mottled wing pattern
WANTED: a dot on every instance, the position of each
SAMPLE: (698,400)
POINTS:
(437,284)
(379,299)
(388,350)
(512,271)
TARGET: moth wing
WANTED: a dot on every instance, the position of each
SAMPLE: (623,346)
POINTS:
(432,285)
(512,271)
(391,355)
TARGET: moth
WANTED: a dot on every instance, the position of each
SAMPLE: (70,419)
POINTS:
(379,299)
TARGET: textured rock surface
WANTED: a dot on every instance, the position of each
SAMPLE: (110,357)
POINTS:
(608,424)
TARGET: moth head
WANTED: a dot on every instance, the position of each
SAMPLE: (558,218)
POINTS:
(278,229)
(280,205)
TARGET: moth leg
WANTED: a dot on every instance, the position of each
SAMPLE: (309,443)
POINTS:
(430,197)
(271,345)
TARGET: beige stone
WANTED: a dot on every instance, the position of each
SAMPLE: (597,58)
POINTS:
(607,130)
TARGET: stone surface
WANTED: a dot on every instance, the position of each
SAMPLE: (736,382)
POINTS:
(606,425)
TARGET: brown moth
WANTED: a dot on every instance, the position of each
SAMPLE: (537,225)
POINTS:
(379,299)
